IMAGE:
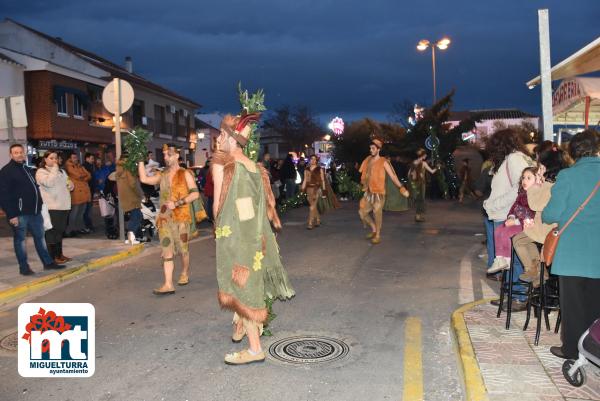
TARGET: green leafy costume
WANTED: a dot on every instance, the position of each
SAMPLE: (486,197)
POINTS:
(249,268)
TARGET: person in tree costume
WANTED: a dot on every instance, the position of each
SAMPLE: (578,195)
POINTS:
(373,172)
(314,187)
(249,268)
(179,209)
(418,182)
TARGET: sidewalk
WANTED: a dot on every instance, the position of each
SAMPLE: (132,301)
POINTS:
(511,366)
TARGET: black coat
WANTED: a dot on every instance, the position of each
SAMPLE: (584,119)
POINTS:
(19,193)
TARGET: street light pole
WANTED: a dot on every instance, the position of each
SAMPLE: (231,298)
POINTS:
(433,69)
(442,44)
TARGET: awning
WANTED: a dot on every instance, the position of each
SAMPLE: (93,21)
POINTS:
(582,62)
(573,97)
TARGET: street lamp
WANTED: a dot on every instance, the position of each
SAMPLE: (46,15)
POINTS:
(441,44)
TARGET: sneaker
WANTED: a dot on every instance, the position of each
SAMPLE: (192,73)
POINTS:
(131,238)
(244,357)
(498,265)
(53,266)
(27,272)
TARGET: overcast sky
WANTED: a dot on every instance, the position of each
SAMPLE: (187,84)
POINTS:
(349,58)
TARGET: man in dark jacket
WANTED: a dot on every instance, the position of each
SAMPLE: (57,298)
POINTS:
(21,200)
(90,165)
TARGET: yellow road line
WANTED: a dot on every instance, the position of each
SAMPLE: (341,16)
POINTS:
(413,361)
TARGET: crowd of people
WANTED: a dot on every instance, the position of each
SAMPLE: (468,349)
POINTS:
(535,189)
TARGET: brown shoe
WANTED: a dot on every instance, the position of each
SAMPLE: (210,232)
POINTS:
(375,240)
(370,235)
(66,258)
(419,218)
(244,357)
(60,260)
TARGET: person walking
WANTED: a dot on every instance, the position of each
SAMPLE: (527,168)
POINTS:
(178,191)
(373,171)
(466,181)
(314,187)
(288,176)
(55,188)
(80,196)
(130,199)
(249,268)
(21,200)
(418,182)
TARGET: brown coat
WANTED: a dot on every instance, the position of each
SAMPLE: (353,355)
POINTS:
(80,177)
(130,194)
(538,197)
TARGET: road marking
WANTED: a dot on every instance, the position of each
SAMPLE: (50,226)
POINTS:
(413,362)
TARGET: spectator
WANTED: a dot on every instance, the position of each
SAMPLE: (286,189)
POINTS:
(300,167)
(288,176)
(209,191)
(55,188)
(577,253)
(90,165)
(80,196)
(550,161)
(509,158)
(152,167)
(21,200)
(276,178)
(130,199)
(101,174)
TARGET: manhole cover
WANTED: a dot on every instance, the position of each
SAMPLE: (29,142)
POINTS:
(308,349)
(9,342)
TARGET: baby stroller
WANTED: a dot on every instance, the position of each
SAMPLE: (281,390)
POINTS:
(589,351)
(148,228)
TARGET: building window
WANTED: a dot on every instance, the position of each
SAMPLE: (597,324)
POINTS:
(159,119)
(61,104)
(77,107)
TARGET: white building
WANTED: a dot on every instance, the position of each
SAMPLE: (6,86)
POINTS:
(12,84)
(490,121)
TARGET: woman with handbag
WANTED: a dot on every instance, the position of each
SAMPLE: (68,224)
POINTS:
(55,188)
(575,206)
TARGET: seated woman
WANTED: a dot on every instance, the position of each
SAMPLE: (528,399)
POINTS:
(577,254)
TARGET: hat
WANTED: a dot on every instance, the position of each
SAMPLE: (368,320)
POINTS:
(377,142)
(234,126)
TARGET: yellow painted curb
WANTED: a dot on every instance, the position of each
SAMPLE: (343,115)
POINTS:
(22,290)
(474,387)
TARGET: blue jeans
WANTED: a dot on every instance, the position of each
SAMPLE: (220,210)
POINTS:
(489,234)
(34,223)
(135,220)
(87,218)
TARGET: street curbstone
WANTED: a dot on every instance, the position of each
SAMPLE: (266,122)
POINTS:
(22,290)
(474,386)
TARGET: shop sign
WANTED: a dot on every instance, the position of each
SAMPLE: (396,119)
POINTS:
(54,144)
(567,93)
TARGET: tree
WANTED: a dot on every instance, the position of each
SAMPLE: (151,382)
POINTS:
(297,126)
(353,145)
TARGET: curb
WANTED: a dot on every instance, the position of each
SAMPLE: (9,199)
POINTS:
(473,380)
(22,290)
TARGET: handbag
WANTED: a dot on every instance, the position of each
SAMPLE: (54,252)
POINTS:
(551,241)
(46,217)
(106,208)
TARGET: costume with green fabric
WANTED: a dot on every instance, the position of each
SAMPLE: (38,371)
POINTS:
(394,201)
(249,267)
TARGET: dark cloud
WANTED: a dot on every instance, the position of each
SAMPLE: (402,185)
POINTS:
(337,57)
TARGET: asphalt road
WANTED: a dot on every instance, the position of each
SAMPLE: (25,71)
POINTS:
(391,303)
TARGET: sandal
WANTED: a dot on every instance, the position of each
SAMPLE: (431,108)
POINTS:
(162,291)
(183,279)
(244,357)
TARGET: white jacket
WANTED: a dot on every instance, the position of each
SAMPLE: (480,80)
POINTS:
(55,187)
(505,190)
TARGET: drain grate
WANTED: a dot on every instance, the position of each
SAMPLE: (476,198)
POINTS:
(308,349)
(9,342)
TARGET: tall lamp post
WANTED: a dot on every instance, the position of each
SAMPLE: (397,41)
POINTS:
(441,44)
